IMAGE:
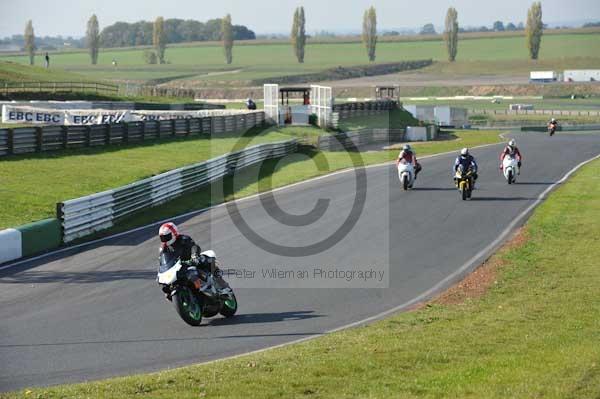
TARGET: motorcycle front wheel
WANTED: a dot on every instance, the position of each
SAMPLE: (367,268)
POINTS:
(188,306)
(230,306)
(405,182)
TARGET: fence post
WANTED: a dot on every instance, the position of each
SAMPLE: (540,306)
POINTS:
(65,137)
(88,136)
(39,139)
(10,141)
(143,131)
(173,127)
(187,127)
(107,134)
(125,133)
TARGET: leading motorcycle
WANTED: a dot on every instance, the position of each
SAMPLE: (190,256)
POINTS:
(192,290)
(464,182)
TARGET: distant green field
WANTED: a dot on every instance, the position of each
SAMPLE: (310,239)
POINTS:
(204,65)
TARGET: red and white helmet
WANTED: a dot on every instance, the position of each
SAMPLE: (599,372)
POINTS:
(168,233)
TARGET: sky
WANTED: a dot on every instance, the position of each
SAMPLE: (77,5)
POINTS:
(68,17)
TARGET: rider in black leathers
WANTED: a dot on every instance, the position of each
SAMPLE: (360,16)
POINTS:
(184,248)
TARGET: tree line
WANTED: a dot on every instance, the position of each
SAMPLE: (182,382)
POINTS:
(164,31)
(123,34)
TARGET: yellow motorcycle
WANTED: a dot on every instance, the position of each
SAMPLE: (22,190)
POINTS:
(464,182)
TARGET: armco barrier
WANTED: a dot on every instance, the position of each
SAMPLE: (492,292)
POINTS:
(29,239)
(50,138)
(83,216)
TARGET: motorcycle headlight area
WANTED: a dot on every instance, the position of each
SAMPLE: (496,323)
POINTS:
(168,277)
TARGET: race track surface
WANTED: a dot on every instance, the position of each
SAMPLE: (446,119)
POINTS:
(96,311)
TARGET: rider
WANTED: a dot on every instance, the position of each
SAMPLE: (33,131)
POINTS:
(409,156)
(184,247)
(553,124)
(512,150)
(468,163)
(250,104)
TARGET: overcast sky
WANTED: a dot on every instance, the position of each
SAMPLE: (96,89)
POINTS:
(68,17)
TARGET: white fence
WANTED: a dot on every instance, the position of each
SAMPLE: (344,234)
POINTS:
(83,216)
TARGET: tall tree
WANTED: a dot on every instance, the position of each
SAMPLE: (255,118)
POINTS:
(30,42)
(159,39)
(298,35)
(369,34)
(451,33)
(534,29)
(227,35)
(93,38)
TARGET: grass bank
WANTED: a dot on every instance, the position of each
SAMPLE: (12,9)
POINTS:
(534,333)
(75,173)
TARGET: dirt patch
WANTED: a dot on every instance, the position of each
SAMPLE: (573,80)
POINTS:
(476,284)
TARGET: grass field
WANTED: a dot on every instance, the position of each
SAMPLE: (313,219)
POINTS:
(204,65)
(533,334)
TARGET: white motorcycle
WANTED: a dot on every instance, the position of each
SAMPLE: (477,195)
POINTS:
(510,167)
(192,290)
(406,174)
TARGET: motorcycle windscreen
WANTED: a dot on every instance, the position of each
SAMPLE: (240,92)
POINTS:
(167,260)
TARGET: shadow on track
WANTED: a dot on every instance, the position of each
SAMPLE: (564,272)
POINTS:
(253,318)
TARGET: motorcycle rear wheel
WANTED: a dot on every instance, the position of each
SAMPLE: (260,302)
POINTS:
(188,306)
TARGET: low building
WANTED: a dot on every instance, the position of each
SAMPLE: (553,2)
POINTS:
(582,75)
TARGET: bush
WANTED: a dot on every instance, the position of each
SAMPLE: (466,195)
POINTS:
(313,119)
(150,57)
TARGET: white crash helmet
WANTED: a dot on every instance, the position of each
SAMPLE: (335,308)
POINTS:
(553,120)
(406,147)
(464,152)
(168,233)
(512,143)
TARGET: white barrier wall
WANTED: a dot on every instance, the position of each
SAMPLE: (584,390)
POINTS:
(11,247)
(416,133)
(31,115)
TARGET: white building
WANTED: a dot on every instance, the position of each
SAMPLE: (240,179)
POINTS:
(582,75)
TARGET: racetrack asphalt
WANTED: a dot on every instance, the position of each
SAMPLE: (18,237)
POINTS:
(96,311)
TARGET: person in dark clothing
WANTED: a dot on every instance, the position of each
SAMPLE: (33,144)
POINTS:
(47,58)
(467,161)
(250,104)
(188,252)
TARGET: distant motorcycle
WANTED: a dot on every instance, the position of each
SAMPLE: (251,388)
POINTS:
(406,173)
(510,167)
(552,129)
(192,291)
(464,182)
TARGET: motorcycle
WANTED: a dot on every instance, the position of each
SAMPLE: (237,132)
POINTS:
(406,173)
(464,182)
(510,167)
(552,129)
(192,291)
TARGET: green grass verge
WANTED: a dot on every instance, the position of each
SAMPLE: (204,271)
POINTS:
(533,334)
(75,173)
(203,65)
(395,119)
